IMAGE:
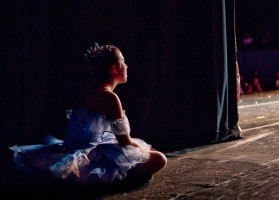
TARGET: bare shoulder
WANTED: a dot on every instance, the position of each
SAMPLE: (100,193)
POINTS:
(111,98)
(110,95)
(106,103)
(113,105)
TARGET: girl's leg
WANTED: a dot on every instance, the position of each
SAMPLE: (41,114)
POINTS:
(156,162)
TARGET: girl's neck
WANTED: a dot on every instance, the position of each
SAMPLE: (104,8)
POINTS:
(106,87)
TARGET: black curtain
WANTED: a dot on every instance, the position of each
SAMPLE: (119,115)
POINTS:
(224,61)
(181,58)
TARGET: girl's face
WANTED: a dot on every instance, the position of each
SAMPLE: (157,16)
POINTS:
(121,73)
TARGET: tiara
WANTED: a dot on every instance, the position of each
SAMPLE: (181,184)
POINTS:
(92,52)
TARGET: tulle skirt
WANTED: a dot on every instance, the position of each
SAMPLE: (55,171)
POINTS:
(101,163)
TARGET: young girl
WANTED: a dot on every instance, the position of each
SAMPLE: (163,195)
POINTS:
(97,147)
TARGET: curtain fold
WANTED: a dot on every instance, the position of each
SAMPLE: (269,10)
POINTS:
(223,22)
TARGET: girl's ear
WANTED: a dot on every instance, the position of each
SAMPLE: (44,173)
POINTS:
(115,69)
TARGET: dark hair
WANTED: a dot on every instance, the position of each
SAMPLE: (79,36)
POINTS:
(95,70)
(100,58)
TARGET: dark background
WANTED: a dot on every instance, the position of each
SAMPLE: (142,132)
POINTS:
(173,49)
(257,17)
